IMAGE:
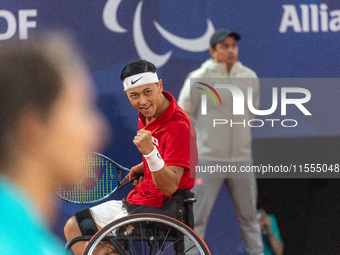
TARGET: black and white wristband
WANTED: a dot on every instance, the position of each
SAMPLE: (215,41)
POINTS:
(154,160)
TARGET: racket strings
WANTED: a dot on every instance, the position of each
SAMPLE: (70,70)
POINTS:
(98,180)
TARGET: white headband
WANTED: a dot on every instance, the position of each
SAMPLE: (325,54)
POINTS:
(139,80)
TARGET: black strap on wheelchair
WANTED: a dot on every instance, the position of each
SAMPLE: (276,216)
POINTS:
(85,221)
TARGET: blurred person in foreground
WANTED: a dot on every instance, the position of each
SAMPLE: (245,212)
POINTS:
(226,145)
(48,120)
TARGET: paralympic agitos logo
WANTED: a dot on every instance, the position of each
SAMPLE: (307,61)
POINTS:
(238,105)
(110,20)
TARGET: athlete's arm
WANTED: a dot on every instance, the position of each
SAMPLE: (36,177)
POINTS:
(167,178)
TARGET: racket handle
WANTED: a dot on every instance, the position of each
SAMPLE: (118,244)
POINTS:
(132,180)
(138,175)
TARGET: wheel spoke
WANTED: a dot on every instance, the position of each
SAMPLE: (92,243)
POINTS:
(116,245)
(141,237)
(107,246)
(131,244)
(171,244)
(166,237)
(189,249)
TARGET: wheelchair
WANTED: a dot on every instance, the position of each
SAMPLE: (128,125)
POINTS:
(152,231)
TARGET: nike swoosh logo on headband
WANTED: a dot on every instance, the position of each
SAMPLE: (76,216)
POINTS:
(133,82)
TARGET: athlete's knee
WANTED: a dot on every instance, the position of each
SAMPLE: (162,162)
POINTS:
(71,228)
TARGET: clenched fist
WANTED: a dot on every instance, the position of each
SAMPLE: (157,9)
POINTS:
(143,141)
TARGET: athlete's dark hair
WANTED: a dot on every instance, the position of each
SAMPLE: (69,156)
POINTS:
(136,67)
(32,75)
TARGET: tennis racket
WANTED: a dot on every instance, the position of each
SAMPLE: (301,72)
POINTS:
(101,178)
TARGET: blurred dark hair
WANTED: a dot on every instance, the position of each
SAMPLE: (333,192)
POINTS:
(31,75)
(136,67)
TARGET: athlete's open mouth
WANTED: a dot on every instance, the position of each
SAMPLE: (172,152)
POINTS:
(145,108)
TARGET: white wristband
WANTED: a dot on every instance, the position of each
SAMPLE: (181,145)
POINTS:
(154,160)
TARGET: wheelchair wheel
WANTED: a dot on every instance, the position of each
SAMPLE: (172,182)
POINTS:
(146,233)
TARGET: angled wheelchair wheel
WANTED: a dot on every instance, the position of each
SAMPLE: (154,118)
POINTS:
(146,234)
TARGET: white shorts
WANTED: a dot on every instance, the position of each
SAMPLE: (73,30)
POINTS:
(107,212)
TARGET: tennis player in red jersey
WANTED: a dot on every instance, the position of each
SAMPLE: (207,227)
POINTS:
(165,138)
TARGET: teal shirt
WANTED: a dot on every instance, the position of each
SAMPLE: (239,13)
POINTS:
(22,230)
(266,244)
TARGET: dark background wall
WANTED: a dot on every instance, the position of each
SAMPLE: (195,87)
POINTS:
(306,208)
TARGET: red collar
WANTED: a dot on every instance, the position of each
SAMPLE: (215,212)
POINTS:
(165,116)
